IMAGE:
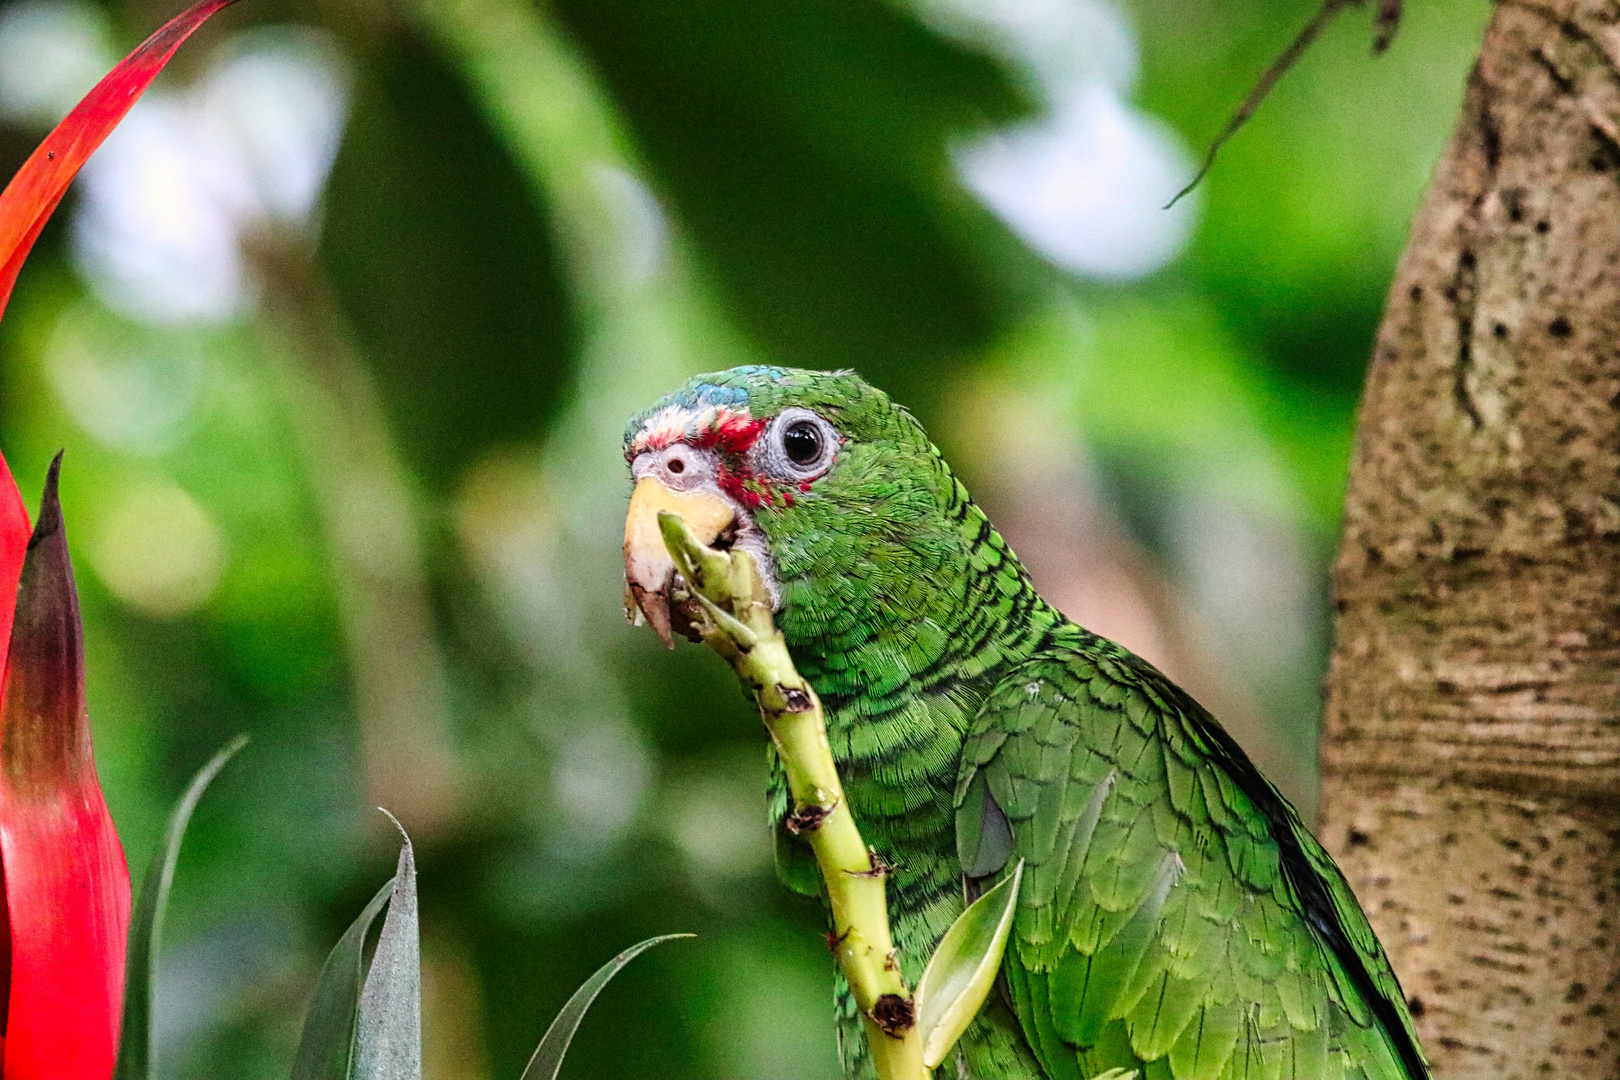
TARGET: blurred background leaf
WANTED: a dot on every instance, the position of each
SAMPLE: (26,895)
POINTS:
(146,925)
(340,332)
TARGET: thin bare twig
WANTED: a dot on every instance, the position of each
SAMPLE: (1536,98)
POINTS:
(1385,25)
(1279,67)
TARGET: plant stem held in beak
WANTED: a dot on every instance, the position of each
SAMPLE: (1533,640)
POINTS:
(731,613)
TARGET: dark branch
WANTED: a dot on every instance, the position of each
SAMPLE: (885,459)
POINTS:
(1385,25)
(1389,13)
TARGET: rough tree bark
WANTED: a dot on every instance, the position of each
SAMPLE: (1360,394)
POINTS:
(1472,756)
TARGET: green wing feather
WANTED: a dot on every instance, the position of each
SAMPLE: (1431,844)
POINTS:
(1175,916)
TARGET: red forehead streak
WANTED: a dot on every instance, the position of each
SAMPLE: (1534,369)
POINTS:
(656,440)
(727,431)
(730,433)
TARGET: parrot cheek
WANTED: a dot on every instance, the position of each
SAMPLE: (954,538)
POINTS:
(649,571)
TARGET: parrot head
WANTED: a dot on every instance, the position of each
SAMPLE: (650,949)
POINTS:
(832,487)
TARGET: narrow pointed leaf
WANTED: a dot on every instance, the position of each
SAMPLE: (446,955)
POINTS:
(326,1048)
(66,884)
(962,970)
(32,195)
(548,1056)
(388,1033)
(146,925)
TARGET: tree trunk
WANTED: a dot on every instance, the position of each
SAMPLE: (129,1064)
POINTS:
(1472,756)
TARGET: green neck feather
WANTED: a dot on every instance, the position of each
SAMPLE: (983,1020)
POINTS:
(921,598)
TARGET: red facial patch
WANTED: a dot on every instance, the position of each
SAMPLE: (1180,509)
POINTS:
(750,490)
(731,433)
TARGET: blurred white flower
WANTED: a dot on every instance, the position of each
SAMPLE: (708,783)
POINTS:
(51,53)
(1086,183)
(152,236)
(169,196)
(1056,43)
(275,104)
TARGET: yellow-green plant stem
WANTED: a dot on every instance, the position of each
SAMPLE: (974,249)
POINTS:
(730,608)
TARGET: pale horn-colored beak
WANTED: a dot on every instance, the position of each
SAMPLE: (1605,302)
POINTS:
(648,569)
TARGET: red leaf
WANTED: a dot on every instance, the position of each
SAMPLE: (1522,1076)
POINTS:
(14,532)
(33,193)
(13,548)
(66,883)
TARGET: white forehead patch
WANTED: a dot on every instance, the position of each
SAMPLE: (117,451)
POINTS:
(703,425)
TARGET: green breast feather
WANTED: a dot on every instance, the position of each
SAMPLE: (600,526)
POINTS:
(1175,916)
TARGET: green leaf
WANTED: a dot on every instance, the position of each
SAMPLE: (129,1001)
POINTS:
(146,924)
(388,1030)
(326,1048)
(548,1055)
(963,968)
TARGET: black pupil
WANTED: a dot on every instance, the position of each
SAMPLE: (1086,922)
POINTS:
(802,442)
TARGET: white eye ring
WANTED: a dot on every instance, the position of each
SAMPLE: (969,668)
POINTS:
(799,445)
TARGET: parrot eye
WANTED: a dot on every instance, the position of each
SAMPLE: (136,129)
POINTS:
(801,442)
(800,446)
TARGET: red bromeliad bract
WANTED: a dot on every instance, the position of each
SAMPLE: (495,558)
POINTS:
(66,884)
(65,916)
(33,193)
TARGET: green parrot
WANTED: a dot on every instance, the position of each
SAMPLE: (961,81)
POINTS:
(1175,917)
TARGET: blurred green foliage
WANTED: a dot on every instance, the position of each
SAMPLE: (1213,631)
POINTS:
(801,151)
(472,293)
(804,144)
